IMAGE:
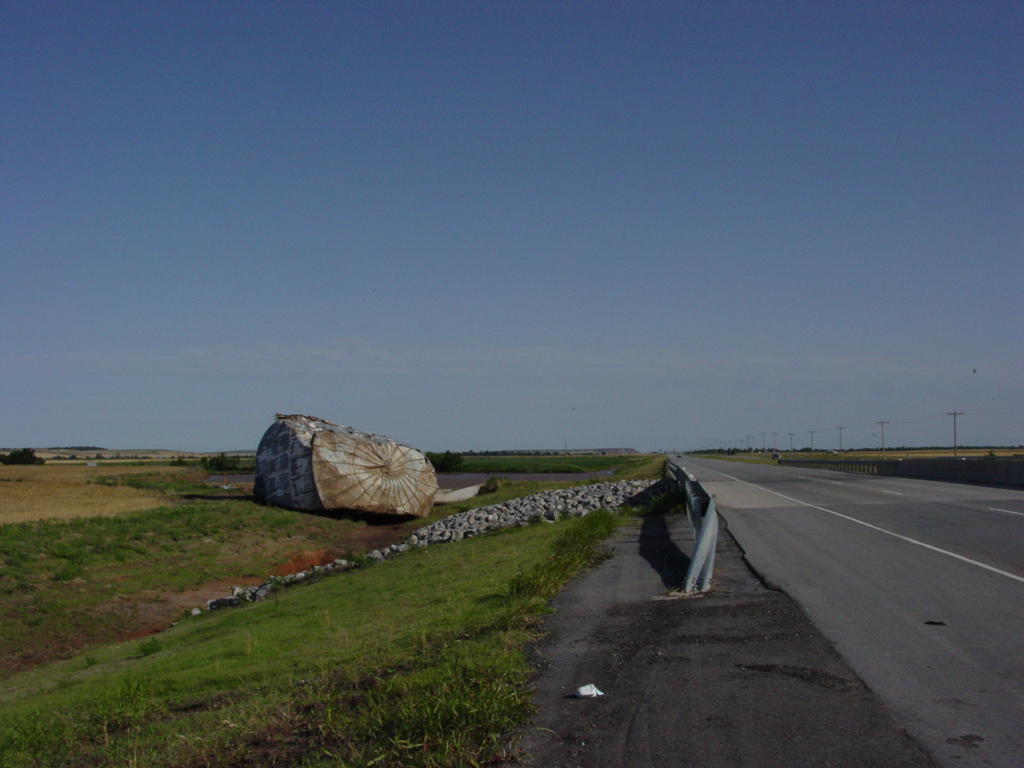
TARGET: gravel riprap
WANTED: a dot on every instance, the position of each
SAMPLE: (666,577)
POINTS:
(546,507)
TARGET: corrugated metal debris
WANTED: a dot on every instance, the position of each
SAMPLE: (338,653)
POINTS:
(311,464)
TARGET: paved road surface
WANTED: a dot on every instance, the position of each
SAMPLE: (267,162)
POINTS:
(920,585)
(734,679)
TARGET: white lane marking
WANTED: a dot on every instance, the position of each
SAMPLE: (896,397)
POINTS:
(993,569)
(1007,511)
(894,493)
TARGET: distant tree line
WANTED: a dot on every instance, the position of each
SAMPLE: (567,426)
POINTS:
(21,456)
(221,463)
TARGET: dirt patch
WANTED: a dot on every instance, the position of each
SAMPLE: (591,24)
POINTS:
(156,611)
(354,543)
(303,561)
(363,539)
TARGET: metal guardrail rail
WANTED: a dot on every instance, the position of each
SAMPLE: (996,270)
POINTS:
(700,510)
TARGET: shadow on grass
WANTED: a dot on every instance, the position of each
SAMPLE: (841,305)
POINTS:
(212,496)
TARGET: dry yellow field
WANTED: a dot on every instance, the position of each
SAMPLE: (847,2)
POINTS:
(63,491)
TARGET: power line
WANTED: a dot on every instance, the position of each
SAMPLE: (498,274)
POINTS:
(954,414)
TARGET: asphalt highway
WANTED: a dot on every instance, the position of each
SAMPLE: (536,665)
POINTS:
(918,584)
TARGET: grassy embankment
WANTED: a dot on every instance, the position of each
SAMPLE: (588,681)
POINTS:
(416,661)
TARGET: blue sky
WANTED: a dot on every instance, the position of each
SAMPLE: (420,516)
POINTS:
(512,224)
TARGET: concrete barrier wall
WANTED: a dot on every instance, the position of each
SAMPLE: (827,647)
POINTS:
(864,467)
(999,471)
(992,470)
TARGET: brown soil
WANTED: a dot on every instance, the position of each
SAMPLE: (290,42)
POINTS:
(156,611)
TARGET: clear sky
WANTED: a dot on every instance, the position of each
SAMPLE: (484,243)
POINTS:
(512,224)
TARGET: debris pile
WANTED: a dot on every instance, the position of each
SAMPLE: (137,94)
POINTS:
(312,465)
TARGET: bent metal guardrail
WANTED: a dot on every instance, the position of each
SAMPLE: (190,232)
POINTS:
(700,510)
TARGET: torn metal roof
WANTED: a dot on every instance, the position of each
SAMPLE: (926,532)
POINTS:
(312,464)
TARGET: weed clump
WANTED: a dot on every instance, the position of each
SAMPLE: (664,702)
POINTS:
(149,646)
(673,502)
(492,484)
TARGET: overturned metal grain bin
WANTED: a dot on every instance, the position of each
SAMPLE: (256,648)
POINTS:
(310,464)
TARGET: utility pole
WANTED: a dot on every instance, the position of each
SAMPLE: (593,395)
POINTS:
(882,425)
(954,414)
(840,438)
(762,443)
(749,438)
(775,447)
(812,431)
(791,440)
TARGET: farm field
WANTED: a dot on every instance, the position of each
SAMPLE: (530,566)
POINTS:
(62,491)
(497,465)
(84,678)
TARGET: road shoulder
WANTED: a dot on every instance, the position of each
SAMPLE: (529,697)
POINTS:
(738,677)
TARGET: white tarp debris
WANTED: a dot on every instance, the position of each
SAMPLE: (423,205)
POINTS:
(311,464)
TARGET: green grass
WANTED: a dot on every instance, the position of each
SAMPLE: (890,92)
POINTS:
(417,661)
(176,484)
(70,585)
(650,467)
(67,585)
(496,465)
